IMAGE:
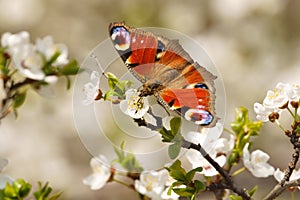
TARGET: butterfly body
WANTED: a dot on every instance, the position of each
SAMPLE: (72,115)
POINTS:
(168,72)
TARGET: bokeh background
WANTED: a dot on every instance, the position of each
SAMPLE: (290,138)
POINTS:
(254,44)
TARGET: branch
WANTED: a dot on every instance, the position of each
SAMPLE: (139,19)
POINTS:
(286,183)
(228,180)
(291,167)
(279,188)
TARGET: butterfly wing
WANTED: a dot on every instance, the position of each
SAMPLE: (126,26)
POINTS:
(184,86)
(137,48)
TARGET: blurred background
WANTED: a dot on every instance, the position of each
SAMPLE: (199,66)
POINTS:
(254,44)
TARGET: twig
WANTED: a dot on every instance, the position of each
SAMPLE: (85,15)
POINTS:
(143,122)
(285,182)
(228,180)
(279,188)
(291,167)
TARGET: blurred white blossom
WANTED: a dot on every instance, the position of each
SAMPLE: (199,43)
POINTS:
(152,183)
(13,42)
(134,105)
(101,173)
(4,178)
(29,59)
(49,49)
(256,162)
(91,89)
(3,164)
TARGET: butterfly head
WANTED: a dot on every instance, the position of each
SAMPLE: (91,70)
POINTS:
(120,36)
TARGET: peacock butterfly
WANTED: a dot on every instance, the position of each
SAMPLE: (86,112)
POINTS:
(168,72)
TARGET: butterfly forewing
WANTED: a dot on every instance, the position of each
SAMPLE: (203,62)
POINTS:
(167,71)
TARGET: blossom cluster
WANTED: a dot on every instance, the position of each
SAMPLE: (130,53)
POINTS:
(153,184)
(276,100)
(25,65)
(31,59)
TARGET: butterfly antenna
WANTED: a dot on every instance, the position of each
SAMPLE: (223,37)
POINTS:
(98,64)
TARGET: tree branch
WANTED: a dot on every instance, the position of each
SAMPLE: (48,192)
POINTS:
(279,188)
(228,180)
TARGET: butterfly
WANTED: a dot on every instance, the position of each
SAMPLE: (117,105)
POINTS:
(168,72)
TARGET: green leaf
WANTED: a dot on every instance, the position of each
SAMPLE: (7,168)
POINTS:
(177,172)
(68,82)
(167,135)
(174,150)
(199,186)
(19,99)
(244,128)
(112,80)
(185,192)
(252,191)
(172,135)
(175,125)
(127,161)
(117,87)
(233,197)
(44,192)
(9,191)
(72,68)
(21,187)
(190,175)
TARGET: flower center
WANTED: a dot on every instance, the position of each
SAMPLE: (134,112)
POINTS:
(135,102)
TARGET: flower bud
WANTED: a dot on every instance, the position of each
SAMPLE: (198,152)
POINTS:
(273,116)
(295,104)
(99,95)
(6,55)
(284,106)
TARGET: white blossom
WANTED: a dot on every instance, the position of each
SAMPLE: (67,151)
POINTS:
(13,42)
(29,62)
(91,89)
(134,105)
(49,49)
(3,164)
(101,173)
(256,162)
(279,175)
(212,144)
(282,94)
(262,112)
(4,179)
(277,97)
(293,92)
(152,183)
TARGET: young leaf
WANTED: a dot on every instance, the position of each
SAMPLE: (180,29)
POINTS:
(44,193)
(174,150)
(167,135)
(19,99)
(127,161)
(199,186)
(175,125)
(72,68)
(177,172)
(190,175)
(252,191)
(185,192)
